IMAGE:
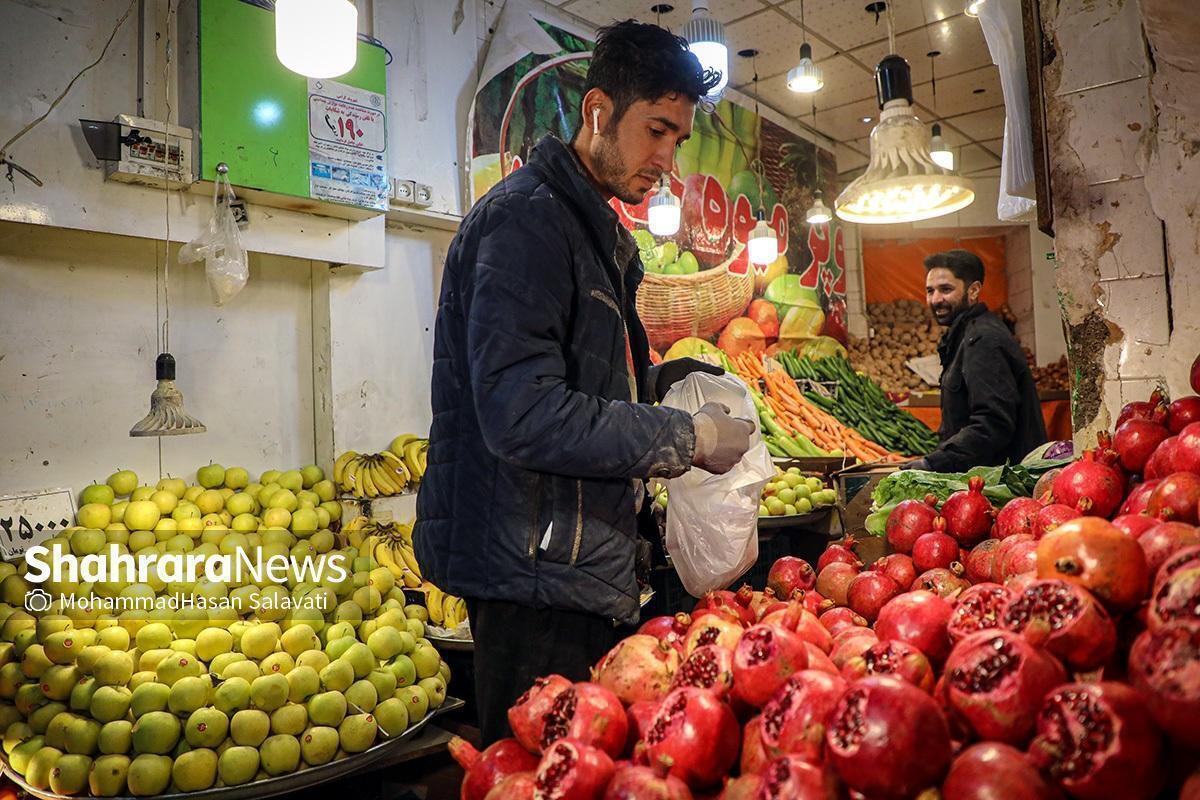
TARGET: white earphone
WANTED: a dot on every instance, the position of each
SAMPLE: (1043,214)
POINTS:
(596,121)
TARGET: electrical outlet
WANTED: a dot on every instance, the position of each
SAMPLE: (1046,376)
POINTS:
(240,215)
(403,192)
(424,196)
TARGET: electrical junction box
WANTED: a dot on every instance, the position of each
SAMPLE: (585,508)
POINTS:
(151,151)
(303,144)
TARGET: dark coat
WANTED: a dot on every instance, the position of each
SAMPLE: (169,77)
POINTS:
(534,429)
(990,407)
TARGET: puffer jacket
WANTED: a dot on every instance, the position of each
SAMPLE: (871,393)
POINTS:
(537,450)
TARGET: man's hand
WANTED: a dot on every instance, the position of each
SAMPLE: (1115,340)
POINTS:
(919,463)
(665,375)
(721,440)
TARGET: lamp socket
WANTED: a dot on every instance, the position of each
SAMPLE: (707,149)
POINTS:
(424,195)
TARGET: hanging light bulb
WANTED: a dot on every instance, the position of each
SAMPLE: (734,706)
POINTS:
(818,213)
(763,246)
(939,151)
(664,210)
(806,77)
(902,182)
(706,39)
(316,38)
(973,7)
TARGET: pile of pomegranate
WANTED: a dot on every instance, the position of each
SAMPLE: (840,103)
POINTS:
(1048,649)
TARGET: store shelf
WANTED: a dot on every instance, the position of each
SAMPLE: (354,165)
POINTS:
(394,508)
(423,218)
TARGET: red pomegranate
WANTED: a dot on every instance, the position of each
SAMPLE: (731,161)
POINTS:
(485,770)
(1018,559)
(767,655)
(587,713)
(698,733)
(1162,463)
(908,520)
(1134,525)
(737,603)
(528,717)
(1176,594)
(818,659)
(638,668)
(933,550)
(888,739)
(1195,375)
(898,567)
(1091,484)
(1154,409)
(792,778)
(946,583)
(1019,583)
(1019,515)
(968,514)
(794,720)
(636,782)
(1176,498)
(840,618)
(996,681)
(1163,540)
(515,787)
(705,217)
(869,592)
(804,623)
(572,770)
(1187,449)
(849,644)
(1183,412)
(891,658)
(980,608)
(1064,619)
(1164,665)
(1098,556)
(713,630)
(709,667)
(1137,500)
(1001,555)
(1053,515)
(834,581)
(754,755)
(1136,440)
(980,560)
(789,574)
(639,716)
(843,552)
(920,619)
(994,771)
(672,630)
(1098,741)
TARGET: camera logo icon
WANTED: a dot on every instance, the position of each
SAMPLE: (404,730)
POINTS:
(37,601)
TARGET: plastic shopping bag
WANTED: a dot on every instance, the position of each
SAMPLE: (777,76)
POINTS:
(712,520)
(225,262)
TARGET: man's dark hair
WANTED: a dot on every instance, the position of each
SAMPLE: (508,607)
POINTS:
(637,61)
(965,265)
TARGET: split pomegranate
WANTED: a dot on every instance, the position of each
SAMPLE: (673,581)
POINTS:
(909,520)
(1176,594)
(995,771)
(943,582)
(1098,741)
(764,658)
(1090,484)
(980,560)
(1163,540)
(1098,556)
(968,514)
(485,770)
(1137,500)
(996,681)
(892,658)
(792,778)
(1053,515)
(933,550)
(980,608)
(709,667)
(1165,665)
(1064,619)
(572,770)
(515,787)
(639,716)
(698,733)
(1136,440)
(754,755)
(840,618)
(1187,449)
(712,629)
(638,668)
(794,721)
(898,567)
(888,739)
(1183,412)
(1176,498)
(789,574)
(672,630)
(919,619)
(869,592)
(1135,525)
(590,714)
(833,581)
(839,552)
(636,782)
(527,717)
(1019,515)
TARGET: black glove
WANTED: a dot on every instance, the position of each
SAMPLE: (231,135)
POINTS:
(721,440)
(920,463)
(665,375)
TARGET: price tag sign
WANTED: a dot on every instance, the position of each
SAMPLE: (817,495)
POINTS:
(33,517)
(347,144)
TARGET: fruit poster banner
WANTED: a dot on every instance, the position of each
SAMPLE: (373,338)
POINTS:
(700,288)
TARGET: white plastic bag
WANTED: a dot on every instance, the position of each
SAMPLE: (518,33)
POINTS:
(220,247)
(712,520)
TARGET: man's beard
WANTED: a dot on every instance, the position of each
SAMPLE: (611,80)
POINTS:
(611,171)
(946,314)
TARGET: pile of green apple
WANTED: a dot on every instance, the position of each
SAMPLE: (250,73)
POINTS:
(665,258)
(791,493)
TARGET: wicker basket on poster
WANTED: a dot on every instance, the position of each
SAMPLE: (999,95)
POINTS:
(701,304)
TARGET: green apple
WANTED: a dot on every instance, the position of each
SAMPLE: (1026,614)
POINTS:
(94,515)
(142,515)
(123,482)
(186,510)
(333,508)
(325,490)
(270,476)
(118,510)
(237,478)
(312,474)
(245,523)
(211,476)
(308,497)
(323,518)
(142,493)
(97,493)
(176,486)
(304,522)
(252,489)
(240,503)
(166,501)
(292,480)
(284,499)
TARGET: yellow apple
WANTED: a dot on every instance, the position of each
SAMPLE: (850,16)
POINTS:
(323,518)
(210,501)
(304,522)
(192,526)
(292,480)
(277,518)
(333,508)
(140,539)
(142,515)
(311,475)
(97,493)
(310,497)
(270,476)
(122,482)
(226,517)
(118,510)
(253,489)
(166,524)
(186,510)
(192,492)
(94,515)
(240,503)
(283,499)
(245,523)
(236,478)
(116,535)
(142,493)
(325,490)
(176,486)
(166,501)
(211,476)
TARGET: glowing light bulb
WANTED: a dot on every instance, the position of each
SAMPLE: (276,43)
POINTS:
(316,38)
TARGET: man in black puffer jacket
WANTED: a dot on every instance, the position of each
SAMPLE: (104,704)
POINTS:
(539,445)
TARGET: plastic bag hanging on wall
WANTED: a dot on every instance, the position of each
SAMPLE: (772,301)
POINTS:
(220,246)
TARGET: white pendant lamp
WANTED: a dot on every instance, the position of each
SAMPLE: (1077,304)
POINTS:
(818,213)
(902,182)
(316,38)
(763,246)
(664,210)
(806,77)
(972,9)
(706,39)
(939,151)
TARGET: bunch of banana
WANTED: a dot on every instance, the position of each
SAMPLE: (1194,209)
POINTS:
(372,474)
(445,610)
(390,544)
(413,450)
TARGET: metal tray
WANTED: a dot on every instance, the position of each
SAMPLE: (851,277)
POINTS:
(451,645)
(376,757)
(795,520)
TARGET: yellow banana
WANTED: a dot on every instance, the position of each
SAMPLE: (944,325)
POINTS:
(410,559)
(433,602)
(405,531)
(383,556)
(383,482)
(462,609)
(364,474)
(352,481)
(451,612)
(411,580)
(400,442)
(356,537)
(339,468)
(396,468)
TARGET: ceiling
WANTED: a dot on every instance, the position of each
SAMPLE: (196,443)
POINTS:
(847,43)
